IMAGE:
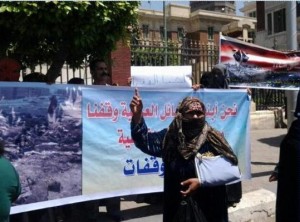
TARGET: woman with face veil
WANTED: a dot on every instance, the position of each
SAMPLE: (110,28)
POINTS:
(288,187)
(187,135)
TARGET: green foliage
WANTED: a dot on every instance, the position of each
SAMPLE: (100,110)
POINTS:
(41,31)
(154,54)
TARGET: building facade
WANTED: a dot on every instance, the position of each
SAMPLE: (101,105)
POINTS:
(197,24)
(227,7)
(272,24)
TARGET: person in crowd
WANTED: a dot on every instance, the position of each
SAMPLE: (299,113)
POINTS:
(187,135)
(76,80)
(35,77)
(101,76)
(99,72)
(218,79)
(288,185)
(10,186)
(10,69)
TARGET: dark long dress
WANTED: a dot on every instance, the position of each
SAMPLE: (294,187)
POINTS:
(211,200)
(288,189)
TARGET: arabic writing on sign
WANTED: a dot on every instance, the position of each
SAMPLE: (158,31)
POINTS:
(212,112)
(102,110)
(151,166)
(169,111)
(161,76)
(125,140)
(228,111)
(105,110)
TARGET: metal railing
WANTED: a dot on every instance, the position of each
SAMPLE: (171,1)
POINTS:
(202,57)
(266,99)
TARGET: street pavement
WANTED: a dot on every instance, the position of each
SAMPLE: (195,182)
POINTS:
(259,195)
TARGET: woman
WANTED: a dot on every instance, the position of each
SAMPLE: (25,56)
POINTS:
(187,135)
(288,187)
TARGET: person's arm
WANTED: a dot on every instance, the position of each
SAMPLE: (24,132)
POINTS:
(274,174)
(136,107)
(149,143)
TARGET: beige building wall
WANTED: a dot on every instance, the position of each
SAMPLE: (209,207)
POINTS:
(199,21)
(274,40)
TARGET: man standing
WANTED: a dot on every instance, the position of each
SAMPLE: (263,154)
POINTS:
(100,75)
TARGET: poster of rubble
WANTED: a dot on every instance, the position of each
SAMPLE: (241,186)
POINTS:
(72,143)
(42,129)
(253,66)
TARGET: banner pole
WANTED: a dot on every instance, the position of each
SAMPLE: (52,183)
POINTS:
(291,19)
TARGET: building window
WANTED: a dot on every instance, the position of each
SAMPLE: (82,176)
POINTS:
(251,35)
(252,14)
(161,32)
(269,24)
(210,32)
(145,29)
(180,33)
(279,21)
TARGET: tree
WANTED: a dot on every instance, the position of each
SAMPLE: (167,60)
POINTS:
(55,32)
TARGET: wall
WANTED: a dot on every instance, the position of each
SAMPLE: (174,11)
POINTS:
(121,63)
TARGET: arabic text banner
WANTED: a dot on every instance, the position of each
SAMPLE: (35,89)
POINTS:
(72,143)
(113,156)
(250,65)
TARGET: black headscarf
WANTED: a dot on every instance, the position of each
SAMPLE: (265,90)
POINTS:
(217,78)
(176,141)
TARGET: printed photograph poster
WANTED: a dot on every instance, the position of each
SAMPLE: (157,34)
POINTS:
(41,126)
(254,66)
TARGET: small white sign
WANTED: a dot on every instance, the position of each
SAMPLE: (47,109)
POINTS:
(161,76)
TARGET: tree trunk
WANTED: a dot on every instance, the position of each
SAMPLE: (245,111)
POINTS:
(57,64)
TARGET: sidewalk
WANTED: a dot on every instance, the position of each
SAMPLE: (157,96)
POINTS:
(259,195)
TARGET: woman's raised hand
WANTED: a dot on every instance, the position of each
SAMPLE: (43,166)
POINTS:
(136,107)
